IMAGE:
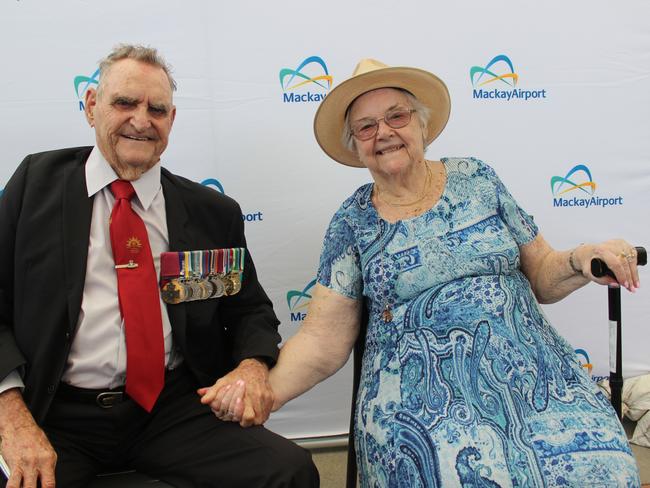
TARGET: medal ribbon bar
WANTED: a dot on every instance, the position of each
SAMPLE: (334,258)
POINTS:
(200,275)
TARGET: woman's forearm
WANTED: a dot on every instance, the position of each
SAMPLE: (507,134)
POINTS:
(321,346)
(305,360)
(559,274)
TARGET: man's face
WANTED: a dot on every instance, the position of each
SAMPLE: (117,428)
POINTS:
(132,113)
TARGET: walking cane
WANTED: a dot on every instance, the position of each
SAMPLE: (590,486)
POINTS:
(600,269)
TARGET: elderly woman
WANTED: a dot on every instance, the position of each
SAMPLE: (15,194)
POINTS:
(464,382)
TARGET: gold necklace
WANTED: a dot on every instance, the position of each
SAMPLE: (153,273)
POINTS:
(424,194)
(387,314)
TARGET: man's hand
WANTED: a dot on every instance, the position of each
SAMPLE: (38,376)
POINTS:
(25,448)
(242,395)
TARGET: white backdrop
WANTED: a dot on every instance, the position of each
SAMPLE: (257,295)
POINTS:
(586,62)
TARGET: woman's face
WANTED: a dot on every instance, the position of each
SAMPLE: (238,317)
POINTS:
(390,151)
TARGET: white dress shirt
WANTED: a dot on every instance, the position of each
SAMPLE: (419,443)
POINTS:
(97,357)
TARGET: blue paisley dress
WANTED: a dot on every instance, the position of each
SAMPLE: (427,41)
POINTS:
(468,385)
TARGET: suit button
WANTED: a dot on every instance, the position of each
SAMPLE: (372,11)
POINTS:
(50,389)
(67,336)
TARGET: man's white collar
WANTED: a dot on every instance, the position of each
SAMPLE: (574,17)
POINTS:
(100,174)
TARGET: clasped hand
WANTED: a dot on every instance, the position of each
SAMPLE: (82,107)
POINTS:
(619,256)
(244,395)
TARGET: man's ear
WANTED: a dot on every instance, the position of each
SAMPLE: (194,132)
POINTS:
(173,114)
(89,105)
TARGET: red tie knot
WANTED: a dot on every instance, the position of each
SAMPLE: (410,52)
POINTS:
(122,189)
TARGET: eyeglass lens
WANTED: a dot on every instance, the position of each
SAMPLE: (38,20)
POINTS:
(364,129)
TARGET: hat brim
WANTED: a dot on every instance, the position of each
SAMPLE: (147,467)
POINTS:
(330,117)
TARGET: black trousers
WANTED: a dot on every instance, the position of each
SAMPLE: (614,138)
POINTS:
(180,442)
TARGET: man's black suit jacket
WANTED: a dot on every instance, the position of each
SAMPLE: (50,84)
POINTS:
(45,215)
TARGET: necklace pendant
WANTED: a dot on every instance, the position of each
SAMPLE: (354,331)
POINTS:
(387,315)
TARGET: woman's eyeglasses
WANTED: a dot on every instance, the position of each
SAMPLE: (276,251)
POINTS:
(364,129)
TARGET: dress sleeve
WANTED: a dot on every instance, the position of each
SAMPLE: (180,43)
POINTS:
(340,264)
(520,224)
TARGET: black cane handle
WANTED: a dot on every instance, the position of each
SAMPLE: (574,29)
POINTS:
(600,269)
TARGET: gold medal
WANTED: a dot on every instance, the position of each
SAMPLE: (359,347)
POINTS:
(233,283)
(236,280)
(174,292)
(228,284)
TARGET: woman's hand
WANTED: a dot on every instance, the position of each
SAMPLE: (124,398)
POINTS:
(620,257)
(226,402)
(244,395)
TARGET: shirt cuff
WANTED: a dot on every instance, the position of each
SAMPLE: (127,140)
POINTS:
(12,380)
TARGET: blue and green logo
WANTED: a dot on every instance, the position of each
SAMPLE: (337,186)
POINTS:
(498,80)
(311,74)
(583,357)
(81,85)
(298,301)
(214,184)
(585,362)
(577,189)
(217,186)
(499,69)
(578,178)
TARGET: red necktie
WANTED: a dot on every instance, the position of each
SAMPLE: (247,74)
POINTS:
(137,287)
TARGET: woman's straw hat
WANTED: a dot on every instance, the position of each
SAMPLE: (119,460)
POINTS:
(371,74)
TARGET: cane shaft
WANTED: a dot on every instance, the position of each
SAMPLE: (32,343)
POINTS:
(615,348)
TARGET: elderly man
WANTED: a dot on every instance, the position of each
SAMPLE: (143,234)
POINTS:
(96,371)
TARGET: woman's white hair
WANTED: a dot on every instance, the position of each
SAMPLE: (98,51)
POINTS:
(422,111)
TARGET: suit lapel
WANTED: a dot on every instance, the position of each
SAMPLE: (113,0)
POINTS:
(77,213)
(177,217)
(177,231)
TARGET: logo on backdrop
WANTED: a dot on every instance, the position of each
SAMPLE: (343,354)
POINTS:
(81,85)
(498,80)
(309,82)
(583,357)
(578,188)
(216,185)
(585,362)
(298,302)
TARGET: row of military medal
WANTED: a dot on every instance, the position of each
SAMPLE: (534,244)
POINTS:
(200,275)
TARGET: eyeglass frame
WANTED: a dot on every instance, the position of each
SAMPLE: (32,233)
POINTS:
(377,120)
